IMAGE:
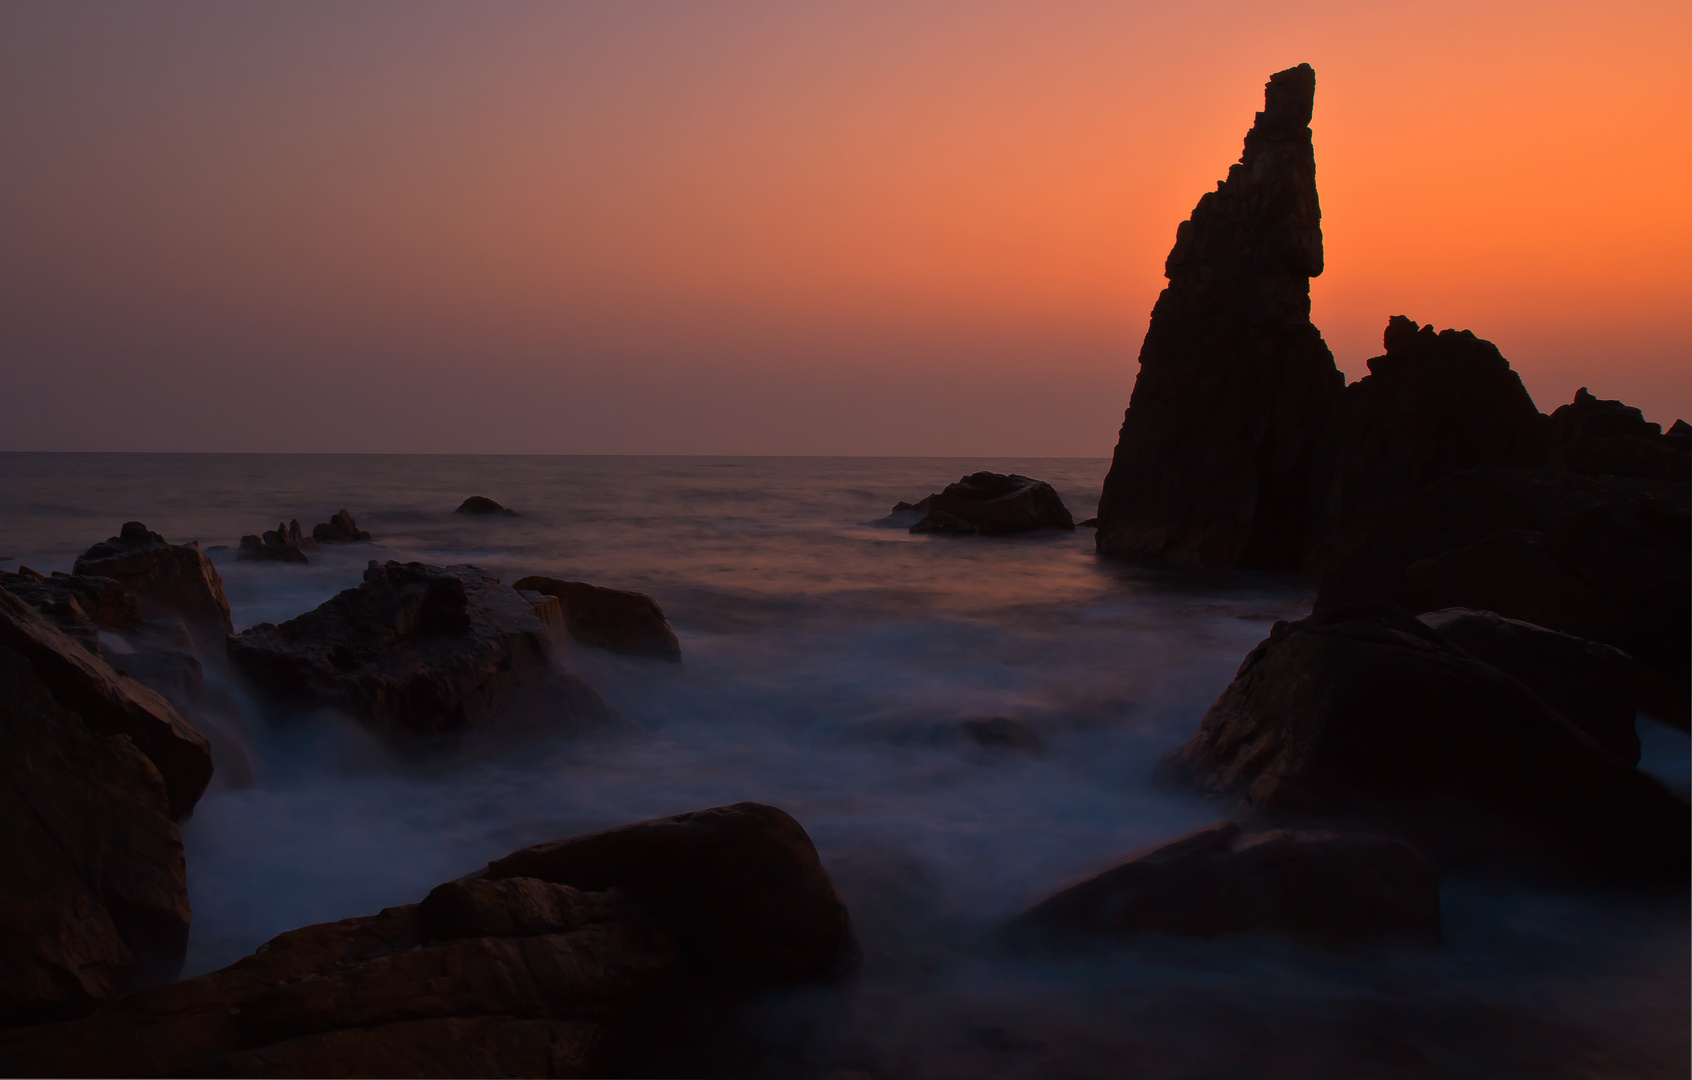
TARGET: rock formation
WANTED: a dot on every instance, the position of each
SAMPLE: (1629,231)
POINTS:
(172,577)
(479,504)
(1602,437)
(415,648)
(986,504)
(1332,888)
(339,529)
(1216,457)
(629,623)
(281,544)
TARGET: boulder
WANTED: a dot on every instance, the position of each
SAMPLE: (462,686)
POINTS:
(478,504)
(109,703)
(94,896)
(1602,437)
(1333,888)
(1217,455)
(1595,686)
(986,504)
(79,606)
(339,529)
(281,544)
(629,623)
(414,648)
(1367,714)
(172,577)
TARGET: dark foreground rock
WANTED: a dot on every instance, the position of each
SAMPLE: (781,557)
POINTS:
(1216,458)
(1595,686)
(478,504)
(502,975)
(339,529)
(1332,888)
(986,504)
(1603,437)
(415,648)
(281,544)
(1367,714)
(619,621)
(79,606)
(171,577)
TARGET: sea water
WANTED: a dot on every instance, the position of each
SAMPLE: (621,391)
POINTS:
(827,664)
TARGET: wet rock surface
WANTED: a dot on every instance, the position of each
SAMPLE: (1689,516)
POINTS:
(617,620)
(281,544)
(172,577)
(339,529)
(1326,887)
(986,504)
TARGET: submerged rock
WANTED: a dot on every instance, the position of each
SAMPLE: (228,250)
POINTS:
(1223,433)
(1332,888)
(339,529)
(619,621)
(986,504)
(281,544)
(172,577)
(477,504)
(414,648)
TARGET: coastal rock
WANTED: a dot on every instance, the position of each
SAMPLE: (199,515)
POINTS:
(1595,686)
(79,606)
(94,896)
(1602,437)
(415,648)
(503,974)
(174,577)
(1216,459)
(281,544)
(109,703)
(1332,888)
(478,504)
(1367,713)
(339,529)
(1433,405)
(628,623)
(986,504)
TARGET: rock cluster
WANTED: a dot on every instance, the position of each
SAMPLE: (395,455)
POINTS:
(281,544)
(1607,438)
(985,504)
(619,621)
(339,529)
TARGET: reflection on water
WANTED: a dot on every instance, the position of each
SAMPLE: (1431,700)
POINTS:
(827,667)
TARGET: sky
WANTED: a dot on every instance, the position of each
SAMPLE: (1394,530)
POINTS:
(770,228)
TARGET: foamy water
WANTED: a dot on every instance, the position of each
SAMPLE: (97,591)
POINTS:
(826,665)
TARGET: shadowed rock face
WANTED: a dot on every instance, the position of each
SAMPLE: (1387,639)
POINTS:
(1214,465)
(1602,437)
(986,504)
(619,621)
(174,577)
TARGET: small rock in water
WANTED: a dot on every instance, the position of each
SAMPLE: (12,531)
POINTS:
(281,544)
(339,529)
(617,620)
(478,504)
(1001,733)
(985,504)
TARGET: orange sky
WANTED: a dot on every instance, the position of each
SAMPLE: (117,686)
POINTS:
(931,228)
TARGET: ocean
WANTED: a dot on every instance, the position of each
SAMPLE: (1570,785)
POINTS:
(827,665)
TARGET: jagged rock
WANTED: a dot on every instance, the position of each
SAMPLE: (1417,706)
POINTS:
(79,606)
(1333,888)
(1367,714)
(616,620)
(109,703)
(501,975)
(1602,437)
(339,529)
(1595,686)
(1433,405)
(174,577)
(478,504)
(416,648)
(281,544)
(985,504)
(1216,458)
(94,896)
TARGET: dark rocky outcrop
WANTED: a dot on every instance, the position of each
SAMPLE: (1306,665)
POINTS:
(1368,714)
(985,504)
(339,529)
(414,648)
(1602,437)
(79,606)
(478,504)
(503,974)
(1594,686)
(1332,888)
(281,544)
(629,623)
(1218,450)
(171,577)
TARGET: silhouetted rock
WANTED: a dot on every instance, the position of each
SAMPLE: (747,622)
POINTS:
(618,621)
(173,577)
(1433,405)
(281,544)
(1595,686)
(1216,458)
(477,504)
(339,529)
(1333,888)
(416,648)
(501,975)
(985,504)
(109,703)
(1602,437)
(1366,713)
(93,894)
